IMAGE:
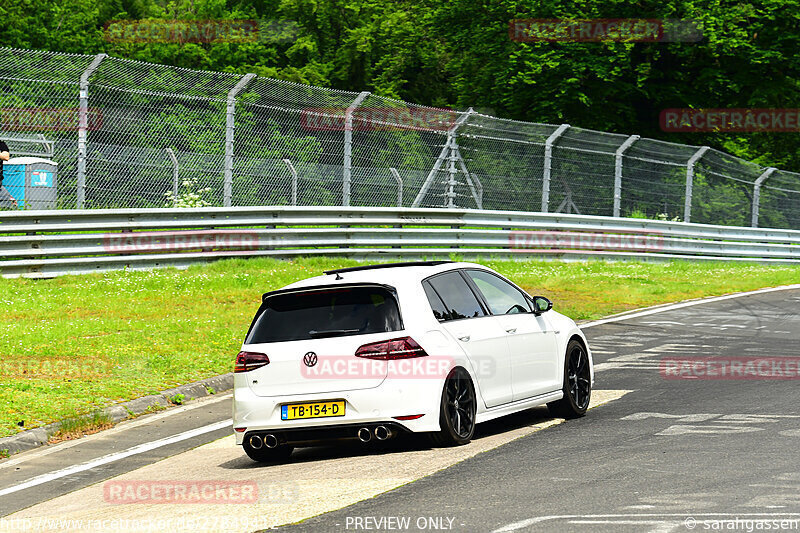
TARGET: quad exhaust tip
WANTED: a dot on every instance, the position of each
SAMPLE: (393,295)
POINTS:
(256,443)
(383,433)
(364,435)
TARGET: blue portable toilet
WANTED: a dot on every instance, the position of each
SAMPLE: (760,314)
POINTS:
(33,181)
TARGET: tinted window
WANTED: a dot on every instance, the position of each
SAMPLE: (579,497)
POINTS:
(502,297)
(437,305)
(325,313)
(456,295)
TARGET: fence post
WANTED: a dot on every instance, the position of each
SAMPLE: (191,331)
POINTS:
(174,160)
(450,195)
(347,162)
(443,155)
(687,205)
(757,194)
(230,125)
(399,181)
(83,108)
(289,164)
(618,172)
(548,164)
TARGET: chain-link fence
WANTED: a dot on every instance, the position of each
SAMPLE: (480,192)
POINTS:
(132,134)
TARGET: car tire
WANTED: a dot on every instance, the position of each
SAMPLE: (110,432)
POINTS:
(457,410)
(268,455)
(577,384)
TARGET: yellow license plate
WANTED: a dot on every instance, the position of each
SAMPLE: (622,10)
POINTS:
(294,411)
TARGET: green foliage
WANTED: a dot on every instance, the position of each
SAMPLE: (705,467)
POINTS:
(177,399)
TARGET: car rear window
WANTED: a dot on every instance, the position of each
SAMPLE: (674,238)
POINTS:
(325,313)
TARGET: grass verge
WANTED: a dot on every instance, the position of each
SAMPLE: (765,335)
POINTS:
(77,427)
(73,344)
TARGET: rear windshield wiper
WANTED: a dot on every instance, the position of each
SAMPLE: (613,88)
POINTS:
(318,334)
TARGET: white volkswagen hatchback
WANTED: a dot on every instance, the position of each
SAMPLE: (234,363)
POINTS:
(374,351)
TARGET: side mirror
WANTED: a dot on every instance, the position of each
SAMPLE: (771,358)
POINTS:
(541,305)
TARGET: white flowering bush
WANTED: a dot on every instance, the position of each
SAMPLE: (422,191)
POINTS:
(188,195)
(638,213)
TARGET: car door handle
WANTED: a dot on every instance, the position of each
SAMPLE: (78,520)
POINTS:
(465,338)
(511,330)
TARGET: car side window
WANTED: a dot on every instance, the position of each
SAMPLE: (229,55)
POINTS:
(502,297)
(437,305)
(458,298)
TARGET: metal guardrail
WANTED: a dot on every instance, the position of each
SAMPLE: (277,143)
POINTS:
(52,243)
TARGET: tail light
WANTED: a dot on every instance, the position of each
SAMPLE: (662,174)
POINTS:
(402,348)
(247,361)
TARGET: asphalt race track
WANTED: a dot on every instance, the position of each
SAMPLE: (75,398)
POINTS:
(672,447)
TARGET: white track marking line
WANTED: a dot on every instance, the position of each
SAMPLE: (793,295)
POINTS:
(684,304)
(112,457)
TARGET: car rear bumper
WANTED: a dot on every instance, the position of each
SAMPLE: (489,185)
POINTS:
(365,407)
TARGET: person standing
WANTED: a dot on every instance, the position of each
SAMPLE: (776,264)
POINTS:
(6,200)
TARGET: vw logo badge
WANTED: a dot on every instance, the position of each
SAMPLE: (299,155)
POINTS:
(310,359)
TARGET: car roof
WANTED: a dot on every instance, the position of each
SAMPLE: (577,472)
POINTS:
(384,274)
